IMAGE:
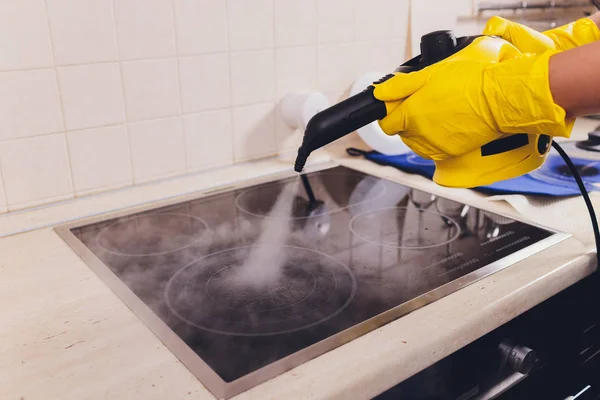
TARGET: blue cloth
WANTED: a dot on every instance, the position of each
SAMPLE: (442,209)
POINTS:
(549,180)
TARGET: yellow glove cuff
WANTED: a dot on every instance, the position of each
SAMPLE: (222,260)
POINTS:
(519,98)
(575,34)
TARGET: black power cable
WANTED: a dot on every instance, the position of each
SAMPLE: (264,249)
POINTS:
(585,195)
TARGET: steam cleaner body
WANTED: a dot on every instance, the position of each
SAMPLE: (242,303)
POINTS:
(508,156)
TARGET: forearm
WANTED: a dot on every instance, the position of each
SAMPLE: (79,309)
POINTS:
(596,18)
(575,79)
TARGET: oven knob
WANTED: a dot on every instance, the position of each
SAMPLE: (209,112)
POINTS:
(522,359)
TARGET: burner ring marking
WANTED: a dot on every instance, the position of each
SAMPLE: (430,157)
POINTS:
(272,309)
(355,232)
(127,219)
(382,191)
(173,309)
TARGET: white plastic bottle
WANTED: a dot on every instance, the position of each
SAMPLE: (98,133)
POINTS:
(372,134)
(296,109)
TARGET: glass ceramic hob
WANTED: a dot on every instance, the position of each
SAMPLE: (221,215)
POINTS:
(354,253)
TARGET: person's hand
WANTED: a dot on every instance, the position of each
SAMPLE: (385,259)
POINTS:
(459,104)
(523,37)
(575,34)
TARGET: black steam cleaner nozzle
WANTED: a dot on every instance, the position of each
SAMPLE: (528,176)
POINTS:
(300,162)
(338,121)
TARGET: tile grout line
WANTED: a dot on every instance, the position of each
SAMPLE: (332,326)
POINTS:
(276,85)
(180,87)
(231,107)
(192,55)
(196,54)
(4,195)
(125,111)
(318,59)
(3,190)
(230,86)
(60,100)
(206,111)
(354,6)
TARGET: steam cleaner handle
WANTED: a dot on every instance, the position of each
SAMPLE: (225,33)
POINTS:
(346,117)
(363,108)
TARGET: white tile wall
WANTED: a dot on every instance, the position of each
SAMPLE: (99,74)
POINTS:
(252,74)
(157,149)
(29,104)
(3,207)
(296,23)
(146,28)
(391,22)
(208,139)
(201,26)
(92,95)
(99,159)
(250,24)
(82,31)
(35,170)
(371,26)
(151,89)
(373,56)
(336,69)
(98,94)
(24,35)
(205,82)
(254,132)
(399,16)
(296,69)
(336,20)
(397,53)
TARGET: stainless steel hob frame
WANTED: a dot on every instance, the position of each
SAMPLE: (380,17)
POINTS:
(213,382)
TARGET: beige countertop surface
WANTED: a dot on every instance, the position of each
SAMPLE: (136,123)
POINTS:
(65,335)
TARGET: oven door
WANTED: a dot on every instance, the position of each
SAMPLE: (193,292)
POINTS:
(550,352)
(483,370)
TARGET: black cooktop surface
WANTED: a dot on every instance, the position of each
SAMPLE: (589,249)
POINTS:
(365,246)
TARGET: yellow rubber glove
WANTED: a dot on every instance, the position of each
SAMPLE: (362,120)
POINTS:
(575,34)
(462,103)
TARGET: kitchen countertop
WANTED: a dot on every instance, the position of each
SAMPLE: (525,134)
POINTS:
(66,335)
